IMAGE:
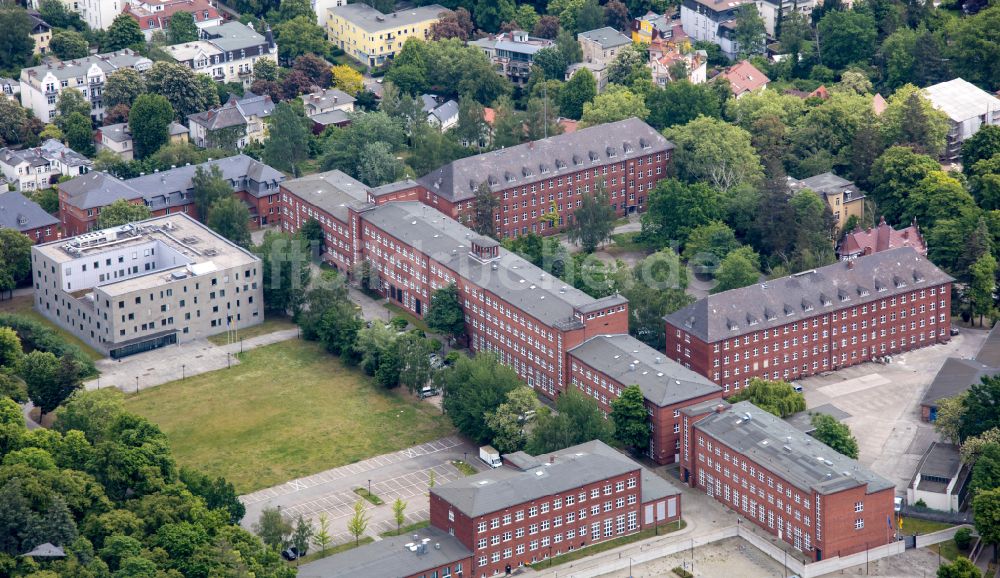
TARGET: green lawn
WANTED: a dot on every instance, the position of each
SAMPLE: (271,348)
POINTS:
(288,410)
(415,321)
(947,550)
(608,545)
(22,305)
(917,526)
(270,325)
(626,243)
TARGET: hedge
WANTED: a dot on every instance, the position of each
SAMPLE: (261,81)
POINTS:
(35,335)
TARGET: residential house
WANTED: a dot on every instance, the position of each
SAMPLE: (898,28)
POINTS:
(154,15)
(598,69)
(41,33)
(968,108)
(327,100)
(233,125)
(512,53)
(443,115)
(666,57)
(10,88)
(651,27)
(117,138)
(842,196)
(603,44)
(98,14)
(744,78)
(772,11)
(371,37)
(883,237)
(713,21)
(226,52)
(41,85)
(37,168)
(24,215)
(321,9)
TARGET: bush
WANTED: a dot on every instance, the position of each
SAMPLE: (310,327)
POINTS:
(399,323)
(921,503)
(452,357)
(682,572)
(963,538)
(434,344)
(35,335)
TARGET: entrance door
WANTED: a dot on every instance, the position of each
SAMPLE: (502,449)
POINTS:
(416,306)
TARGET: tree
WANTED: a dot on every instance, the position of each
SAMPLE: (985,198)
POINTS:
(655,288)
(58,15)
(121,212)
(13,122)
(474,387)
(973,50)
(322,538)
(835,434)
(950,415)
(708,149)
(378,165)
(680,102)
(182,87)
(593,221)
(846,37)
(986,469)
(69,44)
(485,206)
(628,413)
(358,522)
(749,31)
(347,79)
(580,89)
(739,268)
(983,145)
(218,494)
(577,419)
(551,61)
(124,32)
(612,105)
(272,528)
(961,567)
(445,313)
(983,285)
(288,137)
(616,16)
(629,67)
(776,397)
(71,101)
(182,28)
(302,535)
(316,69)
(399,513)
(229,217)
(472,128)
(298,36)
(39,371)
(79,134)
(209,186)
(412,353)
(457,24)
(507,421)
(910,119)
(122,86)
(894,175)
(980,401)
(149,121)
(938,196)
(710,243)
(986,512)
(16,43)
(546,27)
(11,353)
(265,69)
(292,9)
(15,258)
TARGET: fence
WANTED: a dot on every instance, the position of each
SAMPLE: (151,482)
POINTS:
(924,540)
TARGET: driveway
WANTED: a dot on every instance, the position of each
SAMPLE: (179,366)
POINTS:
(884,404)
(404,474)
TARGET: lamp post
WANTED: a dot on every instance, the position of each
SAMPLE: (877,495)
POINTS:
(229,363)
(183,372)
(137,385)
(369,488)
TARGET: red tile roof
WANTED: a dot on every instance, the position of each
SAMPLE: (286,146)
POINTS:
(202,10)
(882,238)
(744,77)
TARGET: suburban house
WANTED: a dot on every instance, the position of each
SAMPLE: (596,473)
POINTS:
(233,125)
(117,138)
(41,33)
(371,37)
(713,21)
(598,69)
(602,45)
(10,88)
(25,216)
(744,78)
(968,108)
(512,53)
(41,85)
(882,238)
(666,56)
(841,195)
(327,100)
(942,480)
(772,11)
(443,115)
(226,52)
(39,167)
(154,15)
(651,27)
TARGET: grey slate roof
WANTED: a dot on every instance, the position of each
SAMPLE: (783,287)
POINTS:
(794,456)
(941,460)
(428,102)
(96,189)
(544,159)
(629,361)
(44,154)
(514,280)
(71,69)
(371,20)
(826,184)
(789,299)
(120,132)
(958,374)
(327,98)
(447,110)
(332,117)
(252,104)
(394,187)
(607,37)
(389,558)
(233,36)
(220,117)
(18,212)
(961,100)
(989,352)
(488,492)
(332,191)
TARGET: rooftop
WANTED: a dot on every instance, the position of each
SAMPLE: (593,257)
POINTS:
(517,41)
(607,37)
(547,158)
(744,77)
(79,67)
(958,374)
(327,98)
(882,238)
(46,153)
(501,488)
(233,35)
(121,133)
(220,117)
(332,191)
(961,100)
(941,461)
(799,459)
(371,20)
(629,361)
(803,295)
(392,557)
(21,214)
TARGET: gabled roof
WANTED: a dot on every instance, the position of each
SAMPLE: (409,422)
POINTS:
(220,117)
(17,212)
(744,77)
(445,111)
(260,106)
(961,100)
(958,374)
(391,557)
(882,238)
(78,67)
(332,191)
(802,295)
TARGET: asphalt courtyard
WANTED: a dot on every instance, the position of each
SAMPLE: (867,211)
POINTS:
(405,474)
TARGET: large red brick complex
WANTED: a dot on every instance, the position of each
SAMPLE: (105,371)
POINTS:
(786,482)
(818,320)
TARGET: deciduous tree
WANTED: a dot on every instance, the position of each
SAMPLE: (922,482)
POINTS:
(273,528)
(149,122)
(507,421)
(577,419)
(358,522)
(986,508)
(124,32)
(399,513)
(580,89)
(740,268)
(846,37)
(445,313)
(711,150)
(298,36)
(593,221)
(16,43)
(121,212)
(776,397)
(208,186)
(123,86)
(69,44)
(612,105)
(628,413)
(40,371)
(835,434)
(181,86)
(347,79)
(79,133)
(229,217)
(182,27)
(474,387)
(288,138)
(749,32)
(322,539)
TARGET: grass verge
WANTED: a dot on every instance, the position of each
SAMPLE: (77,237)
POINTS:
(364,493)
(465,468)
(22,305)
(610,544)
(947,550)
(626,243)
(270,325)
(917,526)
(288,410)
(333,550)
(406,529)
(415,321)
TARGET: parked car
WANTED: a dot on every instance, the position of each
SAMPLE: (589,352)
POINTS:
(428,391)
(290,553)
(797,387)
(435,361)
(955,330)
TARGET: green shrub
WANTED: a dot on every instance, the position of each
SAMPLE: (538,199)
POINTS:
(452,356)
(35,335)
(921,503)
(399,323)
(682,572)
(963,538)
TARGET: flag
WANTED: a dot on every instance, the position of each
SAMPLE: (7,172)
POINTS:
(900,522)
(888,521)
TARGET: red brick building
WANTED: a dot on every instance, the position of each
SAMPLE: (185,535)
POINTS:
(818,320)
(786,482)
(604,365)
(25,216)
(538,185)
(549,505)
(882,238)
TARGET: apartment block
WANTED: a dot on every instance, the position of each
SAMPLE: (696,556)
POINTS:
(154,15)
(968,108)
(512,53)
(147,285)
(226,52)
(539,184)
(784,481)
(819,320)
(372,37)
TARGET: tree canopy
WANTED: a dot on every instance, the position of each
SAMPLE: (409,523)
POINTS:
(777,397)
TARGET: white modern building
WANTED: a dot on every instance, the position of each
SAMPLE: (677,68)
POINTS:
(41,85)
(968,108)
(146,285)
(226,53)
(512,53)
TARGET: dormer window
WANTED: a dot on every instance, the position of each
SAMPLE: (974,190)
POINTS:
(732,325)
(917,276)
(806,306)
(644,143)
(611,152)
(863,291)
(771,315)
(627,147)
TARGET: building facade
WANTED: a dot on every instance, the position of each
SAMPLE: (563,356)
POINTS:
(146,285)
(968,108)
(38,168)
(226,52)
(41,33)
(842,196)
(25,216)
(512,53)
(814,321)
(371,37)
(41,85)
(538,185)
(603,44)
(883,237)
(154,15)
(117,138)
(787,483)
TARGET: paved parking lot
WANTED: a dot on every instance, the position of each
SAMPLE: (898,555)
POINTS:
(405,474)
(884,404)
